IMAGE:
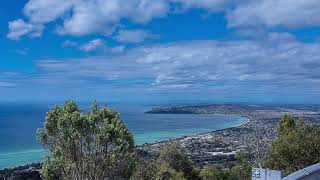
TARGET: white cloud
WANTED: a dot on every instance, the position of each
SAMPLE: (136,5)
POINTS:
(97,45)
(92,17)
(68,43)
(281,37)
(205,66)
(117,49)
(93,45)
(133,36)
(44,11)
(22,51)
(212,5)
(143,11)
(20,28)
(85,17)
(275,13)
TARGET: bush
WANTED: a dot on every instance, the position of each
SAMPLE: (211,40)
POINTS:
(146,170)
(89,145)
(173,156)
(240,171)
(214,173)
(296,146)
(171,164)
(167,172)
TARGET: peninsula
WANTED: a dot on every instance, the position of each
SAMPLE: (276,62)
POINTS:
(216,147)
(253,137)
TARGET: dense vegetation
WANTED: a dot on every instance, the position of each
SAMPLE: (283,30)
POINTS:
(97,145)
(297,146)
(86,146)
(171,164)
(241,170)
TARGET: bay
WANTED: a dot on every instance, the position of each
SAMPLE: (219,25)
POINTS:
(19,122)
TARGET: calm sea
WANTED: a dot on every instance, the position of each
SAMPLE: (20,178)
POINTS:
(19,122)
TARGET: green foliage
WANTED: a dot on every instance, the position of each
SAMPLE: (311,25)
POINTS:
(287,126)
(167,172)
(241,171)
(173,157)
(297,146)
(214,173)
(89,145)
(51,169)
(171,164)
(301,123)
(146,170)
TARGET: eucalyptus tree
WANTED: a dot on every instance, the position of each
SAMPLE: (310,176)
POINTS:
(86,146)
(297,146)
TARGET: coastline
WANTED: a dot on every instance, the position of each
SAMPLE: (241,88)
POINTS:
(21,158)
(40,150)
(220,146)
(199,134)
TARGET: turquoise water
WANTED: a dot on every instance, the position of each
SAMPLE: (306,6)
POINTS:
(19,122)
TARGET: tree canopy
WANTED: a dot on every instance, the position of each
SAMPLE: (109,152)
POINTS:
(240,171)
(87,146)
(297,146)
(172,164)
(173,159)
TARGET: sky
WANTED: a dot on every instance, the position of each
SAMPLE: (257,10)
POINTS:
(252,51)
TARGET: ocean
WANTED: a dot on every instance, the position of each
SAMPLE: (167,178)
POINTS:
(19,122)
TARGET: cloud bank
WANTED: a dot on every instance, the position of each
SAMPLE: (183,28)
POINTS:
(85,17)
(275,63)
(218,67)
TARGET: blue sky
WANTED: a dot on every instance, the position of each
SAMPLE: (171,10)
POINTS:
(263,51)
